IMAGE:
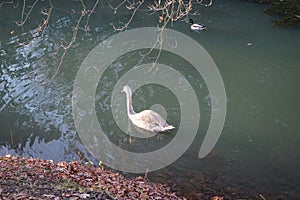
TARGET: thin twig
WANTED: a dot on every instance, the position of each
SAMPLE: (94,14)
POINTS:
(139,4)
(65,48)
(170,11)
(22,15)
(11,136)
(261,196)
(23,21)
(118,6)
(49,11)
(90,13)
(6,2)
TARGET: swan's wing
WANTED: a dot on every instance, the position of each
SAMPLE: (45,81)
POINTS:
(150,120)
(150,117)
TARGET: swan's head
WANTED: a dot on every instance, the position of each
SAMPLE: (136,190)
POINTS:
(126,89)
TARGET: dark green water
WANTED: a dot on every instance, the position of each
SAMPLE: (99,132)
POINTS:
(258,151)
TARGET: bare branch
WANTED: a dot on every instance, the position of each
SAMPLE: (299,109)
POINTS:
(205,4)
(65,48)
(135,9)
(118,6)
(90,13)
(169,10)
(6,2)
(23,20)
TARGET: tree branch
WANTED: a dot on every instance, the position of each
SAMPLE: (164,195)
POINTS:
(23,21)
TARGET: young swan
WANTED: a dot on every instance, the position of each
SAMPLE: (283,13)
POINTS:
(147,119)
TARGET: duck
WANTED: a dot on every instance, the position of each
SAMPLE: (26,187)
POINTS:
(197,27)
(147,119)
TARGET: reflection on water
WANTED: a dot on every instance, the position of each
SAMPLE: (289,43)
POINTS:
(258,150)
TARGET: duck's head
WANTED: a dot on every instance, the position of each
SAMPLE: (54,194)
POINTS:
(191,21)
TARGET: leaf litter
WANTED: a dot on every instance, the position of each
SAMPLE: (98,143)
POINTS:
(33,178)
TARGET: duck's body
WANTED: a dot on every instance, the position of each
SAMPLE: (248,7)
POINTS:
(147,119)
(197,27)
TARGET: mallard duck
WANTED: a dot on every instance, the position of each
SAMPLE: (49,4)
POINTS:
(197,27)
(146,119)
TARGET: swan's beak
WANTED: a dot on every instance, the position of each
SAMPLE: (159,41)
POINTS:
(169,127)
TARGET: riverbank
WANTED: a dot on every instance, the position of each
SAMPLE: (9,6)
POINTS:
(23,178)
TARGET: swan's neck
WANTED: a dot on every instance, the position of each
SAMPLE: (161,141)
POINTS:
(130,110)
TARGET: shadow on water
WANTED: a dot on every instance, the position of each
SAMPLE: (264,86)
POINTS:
(258,151)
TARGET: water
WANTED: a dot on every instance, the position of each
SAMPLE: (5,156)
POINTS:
(258,151)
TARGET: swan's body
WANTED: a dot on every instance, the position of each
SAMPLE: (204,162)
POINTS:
(197,27)
(147,119)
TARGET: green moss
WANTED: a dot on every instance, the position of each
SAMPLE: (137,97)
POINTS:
(70,185)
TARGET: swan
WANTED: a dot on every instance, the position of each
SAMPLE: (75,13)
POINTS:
(146,119)
(197,27)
